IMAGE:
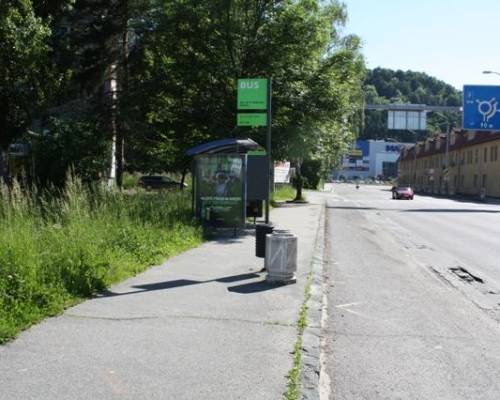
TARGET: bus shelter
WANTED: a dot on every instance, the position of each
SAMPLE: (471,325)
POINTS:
(229,181)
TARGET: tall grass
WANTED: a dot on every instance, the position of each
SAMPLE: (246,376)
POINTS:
(59,247)
(283,193)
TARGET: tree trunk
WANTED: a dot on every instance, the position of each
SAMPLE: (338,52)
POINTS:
(299,181)
(119,154)
(121,125)
(4,177)
(184,172)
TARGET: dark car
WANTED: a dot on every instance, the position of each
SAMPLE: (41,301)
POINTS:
(402,192)
(150,182)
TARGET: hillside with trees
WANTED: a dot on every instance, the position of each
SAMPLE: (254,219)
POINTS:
(385,86)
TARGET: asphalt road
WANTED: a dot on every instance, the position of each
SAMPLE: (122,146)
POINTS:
(414,297)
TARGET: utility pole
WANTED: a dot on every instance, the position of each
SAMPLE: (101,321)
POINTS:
(413,180)
(447,158)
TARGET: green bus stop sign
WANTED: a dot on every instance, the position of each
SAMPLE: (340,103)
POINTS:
(252,94)
(255,119)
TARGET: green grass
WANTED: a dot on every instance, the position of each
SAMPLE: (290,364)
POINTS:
(130,181)
(59,248)
(283,193)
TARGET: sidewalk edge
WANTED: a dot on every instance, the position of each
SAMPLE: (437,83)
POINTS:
(311,369)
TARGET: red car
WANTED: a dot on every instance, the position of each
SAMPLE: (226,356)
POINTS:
(402,192)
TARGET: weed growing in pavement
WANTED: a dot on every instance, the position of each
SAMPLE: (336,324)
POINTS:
(57,247)
(293,386)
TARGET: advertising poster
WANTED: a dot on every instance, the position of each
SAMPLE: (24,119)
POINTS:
(282,172)
(221,189)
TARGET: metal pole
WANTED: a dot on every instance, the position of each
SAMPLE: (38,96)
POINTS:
(413,181)
(268,145)
(447,158)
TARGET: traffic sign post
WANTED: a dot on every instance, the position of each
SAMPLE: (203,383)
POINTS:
(256,94)
(480,107)
(268,144)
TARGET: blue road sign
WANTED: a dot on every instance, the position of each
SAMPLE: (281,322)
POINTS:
(480,108)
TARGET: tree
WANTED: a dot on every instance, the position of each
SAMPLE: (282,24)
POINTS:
(199,49)
(23,71)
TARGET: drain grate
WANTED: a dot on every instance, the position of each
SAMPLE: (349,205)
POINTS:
(465,275)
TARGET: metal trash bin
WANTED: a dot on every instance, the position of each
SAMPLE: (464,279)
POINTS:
(261,231)
(281,257)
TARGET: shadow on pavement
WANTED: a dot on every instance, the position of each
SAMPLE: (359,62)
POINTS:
(228,235)
(255,287)
(147,287)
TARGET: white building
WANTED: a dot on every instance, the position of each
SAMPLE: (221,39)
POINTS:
(377,159)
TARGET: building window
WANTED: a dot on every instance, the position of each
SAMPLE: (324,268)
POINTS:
(469,157)
(484,181)
(485,155)
(462,180)
(475,180)
(476,156)
(389,169)
(455,180)
(491,154)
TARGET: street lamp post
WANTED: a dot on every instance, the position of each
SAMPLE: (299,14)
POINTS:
(413,178)
(447,158)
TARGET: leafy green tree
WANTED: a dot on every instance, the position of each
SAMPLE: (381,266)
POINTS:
(95,42)
(72,146)
(23,71)
(199,49)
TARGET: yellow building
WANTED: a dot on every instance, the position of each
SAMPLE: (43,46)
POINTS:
(473,167)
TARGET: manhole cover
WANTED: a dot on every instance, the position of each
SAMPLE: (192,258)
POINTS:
(465,275)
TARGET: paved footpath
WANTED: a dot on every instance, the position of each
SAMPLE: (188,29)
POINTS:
(204,325)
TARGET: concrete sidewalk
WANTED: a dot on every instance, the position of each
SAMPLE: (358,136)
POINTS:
(204,325)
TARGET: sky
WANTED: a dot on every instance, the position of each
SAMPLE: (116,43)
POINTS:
(452,40)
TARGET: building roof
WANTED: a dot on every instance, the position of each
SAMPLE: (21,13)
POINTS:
(463,139)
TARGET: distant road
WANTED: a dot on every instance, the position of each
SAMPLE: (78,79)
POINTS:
(414,297)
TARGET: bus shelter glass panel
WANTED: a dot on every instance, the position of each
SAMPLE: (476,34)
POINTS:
(220,189)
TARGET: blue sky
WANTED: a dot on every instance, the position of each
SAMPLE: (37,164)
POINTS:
(453,40)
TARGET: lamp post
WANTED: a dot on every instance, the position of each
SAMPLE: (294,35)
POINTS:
(413,177)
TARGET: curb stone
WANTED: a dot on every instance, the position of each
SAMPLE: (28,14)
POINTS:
(311,339)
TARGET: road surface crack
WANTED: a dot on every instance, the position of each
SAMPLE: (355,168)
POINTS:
(172,316)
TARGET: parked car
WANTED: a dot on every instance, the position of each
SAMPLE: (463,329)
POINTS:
(402,192)
(155,182)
